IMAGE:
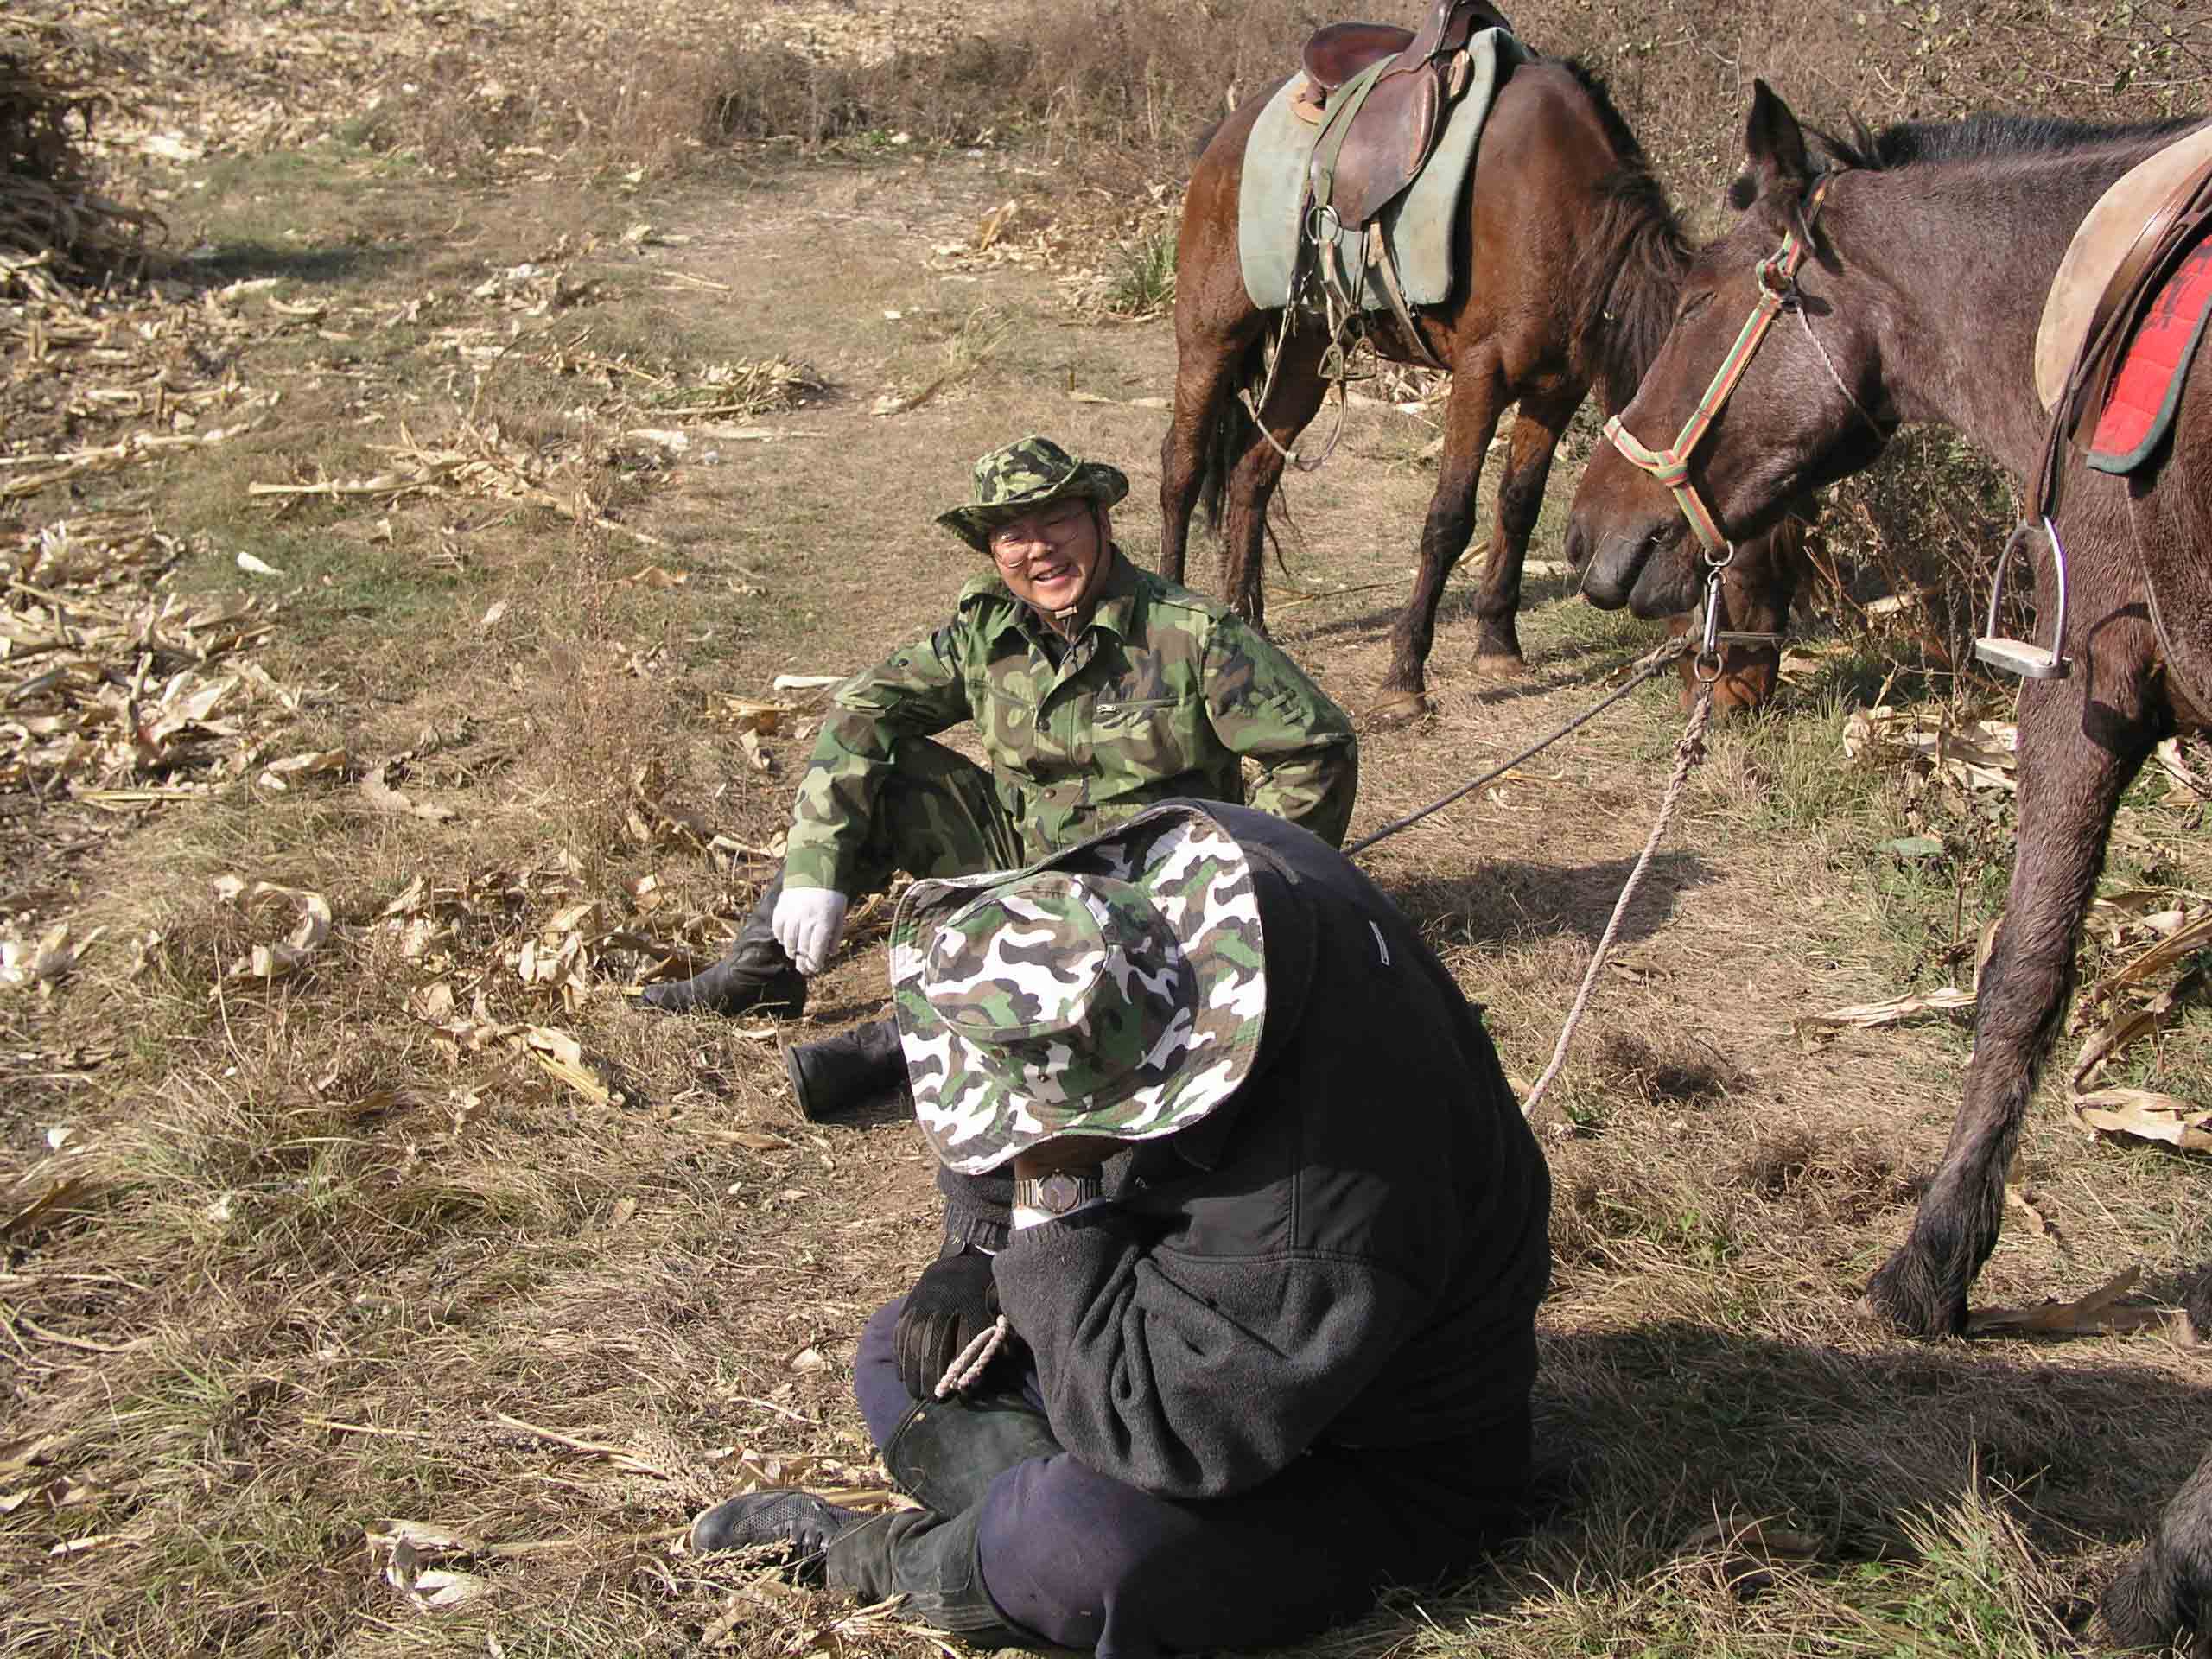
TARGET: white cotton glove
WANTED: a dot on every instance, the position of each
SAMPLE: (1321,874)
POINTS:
(807,923)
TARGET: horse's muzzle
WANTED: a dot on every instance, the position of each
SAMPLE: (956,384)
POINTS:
(1615,565)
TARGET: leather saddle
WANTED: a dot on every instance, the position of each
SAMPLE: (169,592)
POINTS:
(2125,250)
(1391,115)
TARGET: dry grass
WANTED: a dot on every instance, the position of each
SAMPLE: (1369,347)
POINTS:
(287,1260)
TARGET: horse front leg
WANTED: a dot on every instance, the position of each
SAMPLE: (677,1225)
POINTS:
(1291,404)
(1470,416)
(1537,426)
(2164,1595)
(2078,749)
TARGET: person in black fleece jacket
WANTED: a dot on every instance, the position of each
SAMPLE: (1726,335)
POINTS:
(1250,1331)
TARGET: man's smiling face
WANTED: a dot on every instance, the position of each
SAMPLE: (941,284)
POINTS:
(1049,557)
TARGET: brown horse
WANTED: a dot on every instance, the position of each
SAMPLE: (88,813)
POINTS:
(1929,251)
(1567,257)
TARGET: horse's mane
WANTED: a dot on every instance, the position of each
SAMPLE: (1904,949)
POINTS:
(1983,138)
(1628,266)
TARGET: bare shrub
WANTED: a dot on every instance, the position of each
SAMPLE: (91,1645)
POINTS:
(1907,551)
(1122,89)
(54,81)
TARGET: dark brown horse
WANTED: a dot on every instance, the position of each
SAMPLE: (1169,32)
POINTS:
(1929,253)
(1567,260)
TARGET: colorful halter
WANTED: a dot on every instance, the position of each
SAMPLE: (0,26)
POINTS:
(1777,278)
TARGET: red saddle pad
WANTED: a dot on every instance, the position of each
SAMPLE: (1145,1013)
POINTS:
(2144,395)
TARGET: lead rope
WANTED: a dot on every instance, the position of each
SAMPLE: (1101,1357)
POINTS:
(1687,753)
(1650,664)
(969,1366)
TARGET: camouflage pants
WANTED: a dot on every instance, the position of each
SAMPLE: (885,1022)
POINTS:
(939,814)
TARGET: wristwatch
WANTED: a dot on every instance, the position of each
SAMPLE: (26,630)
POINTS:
(1057,1193)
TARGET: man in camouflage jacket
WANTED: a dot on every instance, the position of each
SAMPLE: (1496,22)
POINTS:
(1257,1333)
(1097,688)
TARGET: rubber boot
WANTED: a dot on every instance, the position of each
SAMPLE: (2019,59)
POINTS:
(755,974)
(945,1454)
(856,1068)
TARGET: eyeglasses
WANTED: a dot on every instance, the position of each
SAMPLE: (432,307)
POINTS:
(1015,544)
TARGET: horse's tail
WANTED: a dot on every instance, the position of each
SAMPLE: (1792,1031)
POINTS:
(1226,440)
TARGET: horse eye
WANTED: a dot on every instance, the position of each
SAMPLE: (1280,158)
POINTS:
(1692,304)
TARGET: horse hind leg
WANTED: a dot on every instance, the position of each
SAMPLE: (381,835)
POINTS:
(1291,405)
(1208,369)
(1470,416)
(1537,427)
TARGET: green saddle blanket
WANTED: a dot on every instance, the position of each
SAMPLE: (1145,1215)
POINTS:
(1417,226)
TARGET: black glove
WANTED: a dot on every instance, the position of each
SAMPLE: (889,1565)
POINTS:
(954,1302)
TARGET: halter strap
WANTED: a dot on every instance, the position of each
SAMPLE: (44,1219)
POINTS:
(1777,280)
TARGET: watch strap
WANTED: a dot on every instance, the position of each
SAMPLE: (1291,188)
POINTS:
(1057,1193)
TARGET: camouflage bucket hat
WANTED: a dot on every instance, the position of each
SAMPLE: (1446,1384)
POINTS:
(1023,477)
(1117,989)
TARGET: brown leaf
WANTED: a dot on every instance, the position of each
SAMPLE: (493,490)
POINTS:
(2038,1222)
(409,900)
(58,1197)
(750,714)
(51,957)
(376,788)
(1866,1016)
(2145,1115)
(753,1139)
(563,1056)
(272,962)
(280,774)
(421,1536)
(2093,1314)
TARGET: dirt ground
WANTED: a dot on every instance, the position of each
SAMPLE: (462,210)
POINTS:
(433,1226)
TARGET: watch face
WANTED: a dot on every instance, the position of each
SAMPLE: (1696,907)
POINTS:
(1058,1193)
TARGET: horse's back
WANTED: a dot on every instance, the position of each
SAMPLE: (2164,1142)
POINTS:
(1547,139)
(1538,184)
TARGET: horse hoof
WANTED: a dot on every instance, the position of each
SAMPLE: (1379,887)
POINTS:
(1400,709)
(1498,665)
(1893,1308)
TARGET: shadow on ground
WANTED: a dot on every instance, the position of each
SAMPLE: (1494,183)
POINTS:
(1513,901)
(1677,1424)
(234,262)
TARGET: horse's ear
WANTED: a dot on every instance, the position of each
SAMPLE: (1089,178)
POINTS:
(1773,148)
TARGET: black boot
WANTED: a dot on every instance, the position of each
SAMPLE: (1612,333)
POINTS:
(947,1452)
(926,1557)
(807,1524)
(755,974)
(855,1068)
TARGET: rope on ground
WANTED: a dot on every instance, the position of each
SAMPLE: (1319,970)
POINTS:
(1650,664)
(1688,753)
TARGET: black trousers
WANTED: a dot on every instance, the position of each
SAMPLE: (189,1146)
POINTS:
(1070,1558)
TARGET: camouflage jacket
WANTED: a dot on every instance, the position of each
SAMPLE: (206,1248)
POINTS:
(1163,694)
